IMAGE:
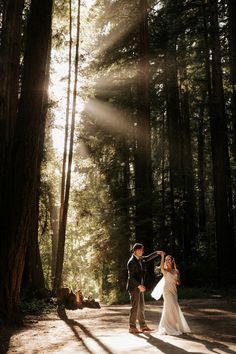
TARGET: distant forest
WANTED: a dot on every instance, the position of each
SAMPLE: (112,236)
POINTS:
(147,120)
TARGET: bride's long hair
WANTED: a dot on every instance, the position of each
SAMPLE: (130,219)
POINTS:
(172,262)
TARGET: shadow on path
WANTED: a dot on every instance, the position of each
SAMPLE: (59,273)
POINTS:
(167,348)
(73,324)
(210,345)
(163,346)
(5,336)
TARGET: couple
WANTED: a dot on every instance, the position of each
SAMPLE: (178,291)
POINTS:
(172,319)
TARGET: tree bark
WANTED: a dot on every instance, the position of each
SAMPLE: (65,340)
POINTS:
(33,277)
(232,39)
(54,223)
(220,159)
(232,62)
(9,76)
(143,164)
(62,226)
(63,178)
(201,173)
(188,174)
(123,242)
(19,197)
(174,142)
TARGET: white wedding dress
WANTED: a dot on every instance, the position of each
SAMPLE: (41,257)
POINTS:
(172,319)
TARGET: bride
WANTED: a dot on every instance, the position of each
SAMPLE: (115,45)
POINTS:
(172,319)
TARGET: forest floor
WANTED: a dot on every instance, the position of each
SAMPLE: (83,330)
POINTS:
(105,331)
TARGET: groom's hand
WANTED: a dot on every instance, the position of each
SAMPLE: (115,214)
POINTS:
(141,288)
(161,253)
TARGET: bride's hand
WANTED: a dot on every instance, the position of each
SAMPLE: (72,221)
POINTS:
(161,253)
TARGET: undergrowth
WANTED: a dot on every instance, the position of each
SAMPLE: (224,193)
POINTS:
(38,306)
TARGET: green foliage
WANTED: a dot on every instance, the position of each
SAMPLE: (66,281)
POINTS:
(115,297)
(38,306)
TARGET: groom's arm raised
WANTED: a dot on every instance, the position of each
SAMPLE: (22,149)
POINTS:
(151,256)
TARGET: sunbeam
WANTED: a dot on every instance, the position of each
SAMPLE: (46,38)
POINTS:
(120,33)
(108,116)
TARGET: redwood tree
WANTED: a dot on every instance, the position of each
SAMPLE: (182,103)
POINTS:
(232,62)
(20,189)
(143,165)
(9,73)
(220,158)
(142,157)
(65,203)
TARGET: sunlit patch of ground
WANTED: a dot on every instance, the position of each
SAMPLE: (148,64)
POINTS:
(105,331)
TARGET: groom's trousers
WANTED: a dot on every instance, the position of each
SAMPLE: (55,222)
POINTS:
(137,308)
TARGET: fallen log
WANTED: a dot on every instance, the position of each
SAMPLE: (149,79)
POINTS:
(74,301)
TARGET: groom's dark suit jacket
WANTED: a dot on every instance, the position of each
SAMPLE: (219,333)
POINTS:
(136,271)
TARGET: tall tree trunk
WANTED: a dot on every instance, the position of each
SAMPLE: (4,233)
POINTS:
(201,172)
(143,163)
(33,278)
(163,177)
(54,223)
(9,76)
(20,191)
(143,166)
(174,140)
(55,238)
(208,73)
(188,179)
(63,178)
(220,159)
(62,226)
(123,241)
(232,52)
(232,38)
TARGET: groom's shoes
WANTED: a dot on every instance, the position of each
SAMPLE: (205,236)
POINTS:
(134,330)
(146,329)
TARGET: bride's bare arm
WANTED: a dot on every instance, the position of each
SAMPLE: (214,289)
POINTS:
(162,253)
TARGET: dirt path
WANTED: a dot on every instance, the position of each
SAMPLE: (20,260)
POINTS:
(104,331)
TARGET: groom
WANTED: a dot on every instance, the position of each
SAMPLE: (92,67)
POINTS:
(136,287)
